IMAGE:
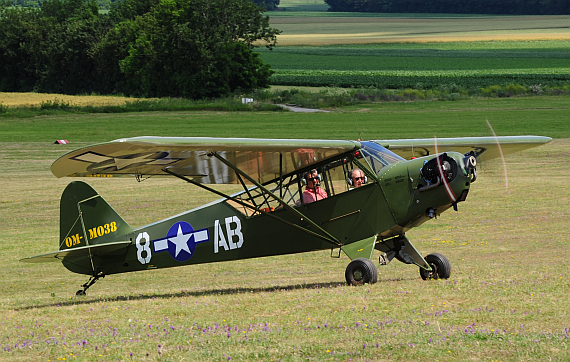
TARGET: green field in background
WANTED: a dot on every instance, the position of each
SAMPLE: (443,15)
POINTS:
(467,64)
(423,56)
(523,47)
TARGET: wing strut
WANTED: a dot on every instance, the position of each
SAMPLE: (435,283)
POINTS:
(331,239)
(327,237)
(246,190)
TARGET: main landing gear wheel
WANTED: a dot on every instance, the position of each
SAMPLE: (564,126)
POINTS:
(440,265)
(361,271)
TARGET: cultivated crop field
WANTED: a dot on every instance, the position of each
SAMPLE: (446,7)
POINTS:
(422,65)
(317,48)
(324,28)
(506,299)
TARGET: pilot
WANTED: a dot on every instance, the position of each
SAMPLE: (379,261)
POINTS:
(356,178)
(313,192)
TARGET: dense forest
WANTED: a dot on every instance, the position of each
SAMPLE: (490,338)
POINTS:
(506,7)
(181,48)
(106,4)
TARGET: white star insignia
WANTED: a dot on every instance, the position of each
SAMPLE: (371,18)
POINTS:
(181,241)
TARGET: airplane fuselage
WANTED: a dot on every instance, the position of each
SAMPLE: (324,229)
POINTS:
(218,231)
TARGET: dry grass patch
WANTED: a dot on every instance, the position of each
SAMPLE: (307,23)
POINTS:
(380,37)
(36,99)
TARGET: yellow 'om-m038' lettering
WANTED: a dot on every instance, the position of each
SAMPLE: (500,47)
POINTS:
(73,240)
(102,230)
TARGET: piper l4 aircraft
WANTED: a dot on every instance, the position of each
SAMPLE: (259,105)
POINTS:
(407,182)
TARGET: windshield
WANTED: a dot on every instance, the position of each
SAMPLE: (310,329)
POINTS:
(378,156)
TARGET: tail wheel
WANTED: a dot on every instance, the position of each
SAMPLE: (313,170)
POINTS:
(440,265)
(361,271)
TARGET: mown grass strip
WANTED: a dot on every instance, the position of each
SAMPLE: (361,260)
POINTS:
(541,115)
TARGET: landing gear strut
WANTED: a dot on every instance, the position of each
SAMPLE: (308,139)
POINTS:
(89,283)
(440,267)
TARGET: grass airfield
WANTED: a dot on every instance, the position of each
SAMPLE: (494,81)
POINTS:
(506,299)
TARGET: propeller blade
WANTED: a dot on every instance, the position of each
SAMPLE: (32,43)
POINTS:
(442,176)
(500,153)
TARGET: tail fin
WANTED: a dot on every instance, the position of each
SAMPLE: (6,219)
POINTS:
(87,219)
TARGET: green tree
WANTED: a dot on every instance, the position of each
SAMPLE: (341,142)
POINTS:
(17,69)
(67,66)
(269,5)
(193,48)
(182,48)
(48,49)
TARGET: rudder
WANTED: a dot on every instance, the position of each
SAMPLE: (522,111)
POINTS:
(87,219)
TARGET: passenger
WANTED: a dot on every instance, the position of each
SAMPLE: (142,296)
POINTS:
(356,178)
(313,192)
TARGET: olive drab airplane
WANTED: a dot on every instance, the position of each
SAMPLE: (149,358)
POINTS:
(408,182)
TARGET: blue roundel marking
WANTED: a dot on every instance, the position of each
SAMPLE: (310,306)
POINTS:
(181,241)
(181,245)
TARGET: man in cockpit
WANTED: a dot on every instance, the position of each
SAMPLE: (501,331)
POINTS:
(356,178)
(313,192)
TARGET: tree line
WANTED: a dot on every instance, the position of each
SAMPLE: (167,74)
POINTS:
(506,7)
(106,4)
(156,48)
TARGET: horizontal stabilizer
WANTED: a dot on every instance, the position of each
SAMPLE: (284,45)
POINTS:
(84,251)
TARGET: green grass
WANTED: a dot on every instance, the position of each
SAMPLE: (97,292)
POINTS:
(506,299)
(512,116)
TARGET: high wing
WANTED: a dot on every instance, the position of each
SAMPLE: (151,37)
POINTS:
(485,148)
(262,159)
(84,251)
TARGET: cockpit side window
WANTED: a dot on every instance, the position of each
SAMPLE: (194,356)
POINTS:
(377,156)
(333,178)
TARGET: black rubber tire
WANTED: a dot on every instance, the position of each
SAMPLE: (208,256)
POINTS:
(361,271)
(441,267)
